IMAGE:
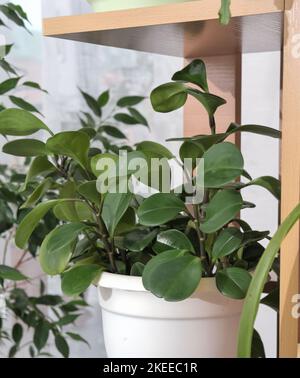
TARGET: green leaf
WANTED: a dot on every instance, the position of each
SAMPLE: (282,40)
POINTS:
(126,118)
(19,122)
(13,351)
(233,282)
(168,97)
(48,300)
(257,349)
(129,101)
(25,147)
(194,73)
(160,208)
(103,99)
(74,144)
(88,190)
(191,150)
(38,193)
(137,269)
(41,334)
(228,241)
(209,101)
(268,182)
(76,280)
(12,274)
(102,160)
(31,220)
(33,85)
(181,274)
(223,163)
(8,85)
(113,132)
(76,337)
(272,300)
(18,101)
(258,282)
(255,129)
(222,209)
(17,333)
(40,166)
(7,66)
(62,346)
(155,150)
(68,319)
(224,13)
(92,103)
(56,249)
(172,239)
(138,240)
(114,207)
(138,117)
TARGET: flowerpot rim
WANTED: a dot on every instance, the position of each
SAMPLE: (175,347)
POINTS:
(132,283)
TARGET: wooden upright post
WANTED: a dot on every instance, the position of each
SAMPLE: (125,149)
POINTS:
(290,176)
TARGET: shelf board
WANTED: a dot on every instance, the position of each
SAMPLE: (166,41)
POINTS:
(185,30)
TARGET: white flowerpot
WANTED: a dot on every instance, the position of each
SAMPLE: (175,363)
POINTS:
(111,5)
(137,324)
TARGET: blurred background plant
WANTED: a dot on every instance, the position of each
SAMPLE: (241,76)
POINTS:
(21,313)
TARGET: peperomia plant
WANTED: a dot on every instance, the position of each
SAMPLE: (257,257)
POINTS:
(174,237)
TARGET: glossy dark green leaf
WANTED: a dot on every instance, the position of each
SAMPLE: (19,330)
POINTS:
(103,99)
(7,67)
(12,274)
(228,241)
(139,239)
(191,150)
(222,209)
(62,346)
(31,220)
(255,129)
(21,103)
(138,117)
(76,280)
(137,269)
(257,349)
(25,147)
(41,334)
(76,337)
(129,101)
(181,271)
(210,102)
(48,300)
(272,300)
(56,249)
(233,282)
(8,85)
(19,122)
(114,207)
(268,182)
(160,208)
(38,193)
(194,73)
(92,103)
(88,190)
(168,97)
(223,163)
(40,166)
(251,236)
(74,144)
(172,239)
(155,150)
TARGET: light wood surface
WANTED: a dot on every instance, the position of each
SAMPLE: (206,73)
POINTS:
(290,175)
(188,29)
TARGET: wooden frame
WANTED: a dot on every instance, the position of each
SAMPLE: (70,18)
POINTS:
(191,30)
(290,176)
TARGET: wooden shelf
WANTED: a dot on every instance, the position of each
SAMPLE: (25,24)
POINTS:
(185,30)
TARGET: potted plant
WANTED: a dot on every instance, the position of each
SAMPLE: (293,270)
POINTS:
(172,268)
